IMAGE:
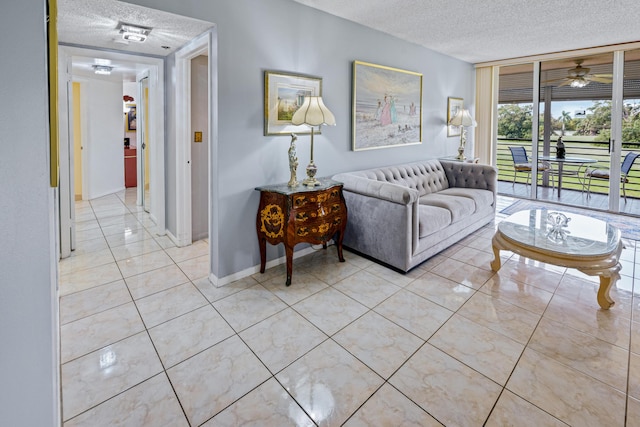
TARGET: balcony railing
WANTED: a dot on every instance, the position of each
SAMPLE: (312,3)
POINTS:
(574,148)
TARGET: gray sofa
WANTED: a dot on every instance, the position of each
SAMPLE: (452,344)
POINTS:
(402,215)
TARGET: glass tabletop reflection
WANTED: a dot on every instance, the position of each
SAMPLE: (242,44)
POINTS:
(560,232)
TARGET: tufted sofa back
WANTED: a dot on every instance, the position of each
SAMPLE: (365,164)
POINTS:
(427,176)
(470,175)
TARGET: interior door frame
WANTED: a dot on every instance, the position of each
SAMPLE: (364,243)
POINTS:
(66,192)
(198,46)
(207,42)
(85,147)
(141,118)
(155,118)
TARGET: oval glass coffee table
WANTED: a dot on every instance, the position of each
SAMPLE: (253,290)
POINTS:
(565,239)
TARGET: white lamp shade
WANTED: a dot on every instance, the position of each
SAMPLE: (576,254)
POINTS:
(462,118)
(313,112)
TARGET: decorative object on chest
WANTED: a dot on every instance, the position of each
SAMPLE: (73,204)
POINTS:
(300,215)
(293,162)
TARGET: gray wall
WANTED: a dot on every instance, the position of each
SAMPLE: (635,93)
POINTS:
(258,35)
(28,305)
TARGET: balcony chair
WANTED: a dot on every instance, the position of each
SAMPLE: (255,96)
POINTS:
(521,163)
(627,163)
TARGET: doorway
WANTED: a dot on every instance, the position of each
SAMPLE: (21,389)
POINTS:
(194,212)
(143,115)
(199,147)
(575,126)
(79,62)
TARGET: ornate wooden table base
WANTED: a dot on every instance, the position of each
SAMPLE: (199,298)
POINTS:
(300,214)
(589,245)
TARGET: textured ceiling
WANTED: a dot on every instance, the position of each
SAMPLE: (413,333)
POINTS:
(470,30)
(94,23)
(480,31)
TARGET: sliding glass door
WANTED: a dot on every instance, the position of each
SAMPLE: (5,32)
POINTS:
(630,132)
(589,102)
(514,122)
(575,110)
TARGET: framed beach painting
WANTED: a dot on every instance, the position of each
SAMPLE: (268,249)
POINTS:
(453,106)
(387,107)
(284,93)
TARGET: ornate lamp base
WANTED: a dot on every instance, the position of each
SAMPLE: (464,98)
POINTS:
(310,180)
(463,141)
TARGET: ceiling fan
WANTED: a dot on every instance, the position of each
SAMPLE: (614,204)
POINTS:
(579,77)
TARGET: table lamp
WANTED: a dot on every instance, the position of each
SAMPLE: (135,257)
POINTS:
(313,112)
(462,119)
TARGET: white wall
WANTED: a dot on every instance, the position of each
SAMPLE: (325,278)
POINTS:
(104,140)
(28,303)
(258,35)
(199,151)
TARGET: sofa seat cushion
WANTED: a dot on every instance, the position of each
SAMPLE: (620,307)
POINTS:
(482,198)
(432,219)
(460,207)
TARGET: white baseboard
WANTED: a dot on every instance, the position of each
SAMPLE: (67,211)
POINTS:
(221,281)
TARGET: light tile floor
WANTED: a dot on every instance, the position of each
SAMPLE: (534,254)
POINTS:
(148,341)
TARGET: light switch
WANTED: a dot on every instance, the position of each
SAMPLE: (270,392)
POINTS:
(197,137)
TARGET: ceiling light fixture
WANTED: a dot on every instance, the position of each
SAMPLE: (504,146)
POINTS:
(579,82)
(102,69)
(134,37)
(134,33)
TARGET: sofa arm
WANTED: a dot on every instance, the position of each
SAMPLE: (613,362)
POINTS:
(381,229)
(471,175)
(378,189)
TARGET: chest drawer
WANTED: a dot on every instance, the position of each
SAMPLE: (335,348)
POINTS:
(320,228)
(311,211)
(304,200)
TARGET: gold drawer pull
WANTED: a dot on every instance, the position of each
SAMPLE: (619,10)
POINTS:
(323,197)
(300,201)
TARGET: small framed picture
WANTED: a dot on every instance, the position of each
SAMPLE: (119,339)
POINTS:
(284,93)
(131,118)
(453,105)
